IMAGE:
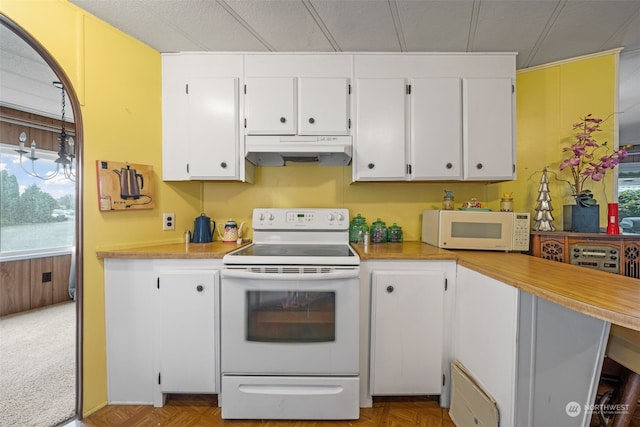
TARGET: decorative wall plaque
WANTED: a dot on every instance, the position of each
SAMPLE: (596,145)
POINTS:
(123,186)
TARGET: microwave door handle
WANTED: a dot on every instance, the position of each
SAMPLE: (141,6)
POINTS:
(245,274)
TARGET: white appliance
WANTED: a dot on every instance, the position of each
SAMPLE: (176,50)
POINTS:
(276,150)
(290,319)
(478,230)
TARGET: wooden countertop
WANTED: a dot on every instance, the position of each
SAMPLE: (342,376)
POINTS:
(402,251)
(606,296)
(214,250)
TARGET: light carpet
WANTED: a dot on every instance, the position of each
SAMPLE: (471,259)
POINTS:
(37,366)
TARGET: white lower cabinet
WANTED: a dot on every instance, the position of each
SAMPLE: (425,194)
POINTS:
(162,328)
(538,360)
(188,331)
(407,321)
(130,320)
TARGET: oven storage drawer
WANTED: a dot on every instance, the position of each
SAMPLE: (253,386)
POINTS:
(274,397)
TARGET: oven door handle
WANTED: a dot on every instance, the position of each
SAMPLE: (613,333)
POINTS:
(244,274)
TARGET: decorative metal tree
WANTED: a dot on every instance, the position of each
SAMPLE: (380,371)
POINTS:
(543,206)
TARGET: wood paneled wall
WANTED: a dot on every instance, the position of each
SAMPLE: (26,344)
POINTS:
(32,283)
(13,122)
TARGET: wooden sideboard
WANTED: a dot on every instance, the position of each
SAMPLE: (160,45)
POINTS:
(556,246)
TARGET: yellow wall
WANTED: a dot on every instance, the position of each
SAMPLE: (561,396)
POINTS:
(118,82)
(329,186)
(549,101)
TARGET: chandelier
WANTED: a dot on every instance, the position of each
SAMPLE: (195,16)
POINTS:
(65,163)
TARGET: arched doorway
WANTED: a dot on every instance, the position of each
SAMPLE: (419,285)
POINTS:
(77,269)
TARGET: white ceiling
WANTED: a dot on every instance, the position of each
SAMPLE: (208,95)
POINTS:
(26,81)
(540,31)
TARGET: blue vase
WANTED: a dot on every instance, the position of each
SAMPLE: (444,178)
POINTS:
(581,219)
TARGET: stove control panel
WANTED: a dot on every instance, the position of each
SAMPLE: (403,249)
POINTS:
(603,258)
(295,219)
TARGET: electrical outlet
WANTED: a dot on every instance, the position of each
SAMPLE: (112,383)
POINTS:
(168,221)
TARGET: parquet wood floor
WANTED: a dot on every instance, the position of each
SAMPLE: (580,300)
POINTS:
(203,410)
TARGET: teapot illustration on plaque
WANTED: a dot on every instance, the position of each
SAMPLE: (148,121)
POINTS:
(231,231)
(130,183)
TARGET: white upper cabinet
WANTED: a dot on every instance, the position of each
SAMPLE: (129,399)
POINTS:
(436,134)
(270,106)
(200,118)
(423,117)
(296,106)
(213,128)
(488,129)
(454,120)
(380,129)
(323,105)
(297,94)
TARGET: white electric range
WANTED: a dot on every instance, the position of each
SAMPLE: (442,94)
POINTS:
(290,319)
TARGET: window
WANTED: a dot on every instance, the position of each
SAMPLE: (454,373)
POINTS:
(629,121)
(35,215)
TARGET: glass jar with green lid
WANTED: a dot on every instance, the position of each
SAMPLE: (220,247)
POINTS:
(378,232)
(357,228)
(394,233)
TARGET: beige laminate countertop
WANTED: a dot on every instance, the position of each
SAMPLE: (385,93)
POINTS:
(606,296)
(214,250)
(402,251)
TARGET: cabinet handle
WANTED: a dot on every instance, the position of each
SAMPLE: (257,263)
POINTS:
(312,120)
(199,288)
(283,120)
(479,166)
(371,166)
(389,289)
(223,165)
(449,165)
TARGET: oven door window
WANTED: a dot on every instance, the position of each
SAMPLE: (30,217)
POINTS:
(291,316)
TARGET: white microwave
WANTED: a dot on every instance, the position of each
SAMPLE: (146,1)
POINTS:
(480,230)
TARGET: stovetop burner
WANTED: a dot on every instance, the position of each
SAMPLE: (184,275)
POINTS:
(295,250)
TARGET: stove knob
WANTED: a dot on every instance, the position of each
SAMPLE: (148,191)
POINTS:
(340,217)
(271,217)
(261,217)
(330,217)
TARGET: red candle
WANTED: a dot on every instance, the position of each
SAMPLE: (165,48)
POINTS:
(612,219)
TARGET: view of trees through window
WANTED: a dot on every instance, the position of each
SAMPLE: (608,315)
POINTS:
(629,191)
(35,214)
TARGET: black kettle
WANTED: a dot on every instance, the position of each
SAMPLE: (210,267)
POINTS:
(130,183)
(202,230)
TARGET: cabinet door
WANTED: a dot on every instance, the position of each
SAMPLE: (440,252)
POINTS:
(323,106)
(188,331)
(212,128)
(488,138)
(130,320)
(381,129)
(436,128)
(407,332)
(270,106)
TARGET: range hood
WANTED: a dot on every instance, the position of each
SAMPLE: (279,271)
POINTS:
(277,150)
